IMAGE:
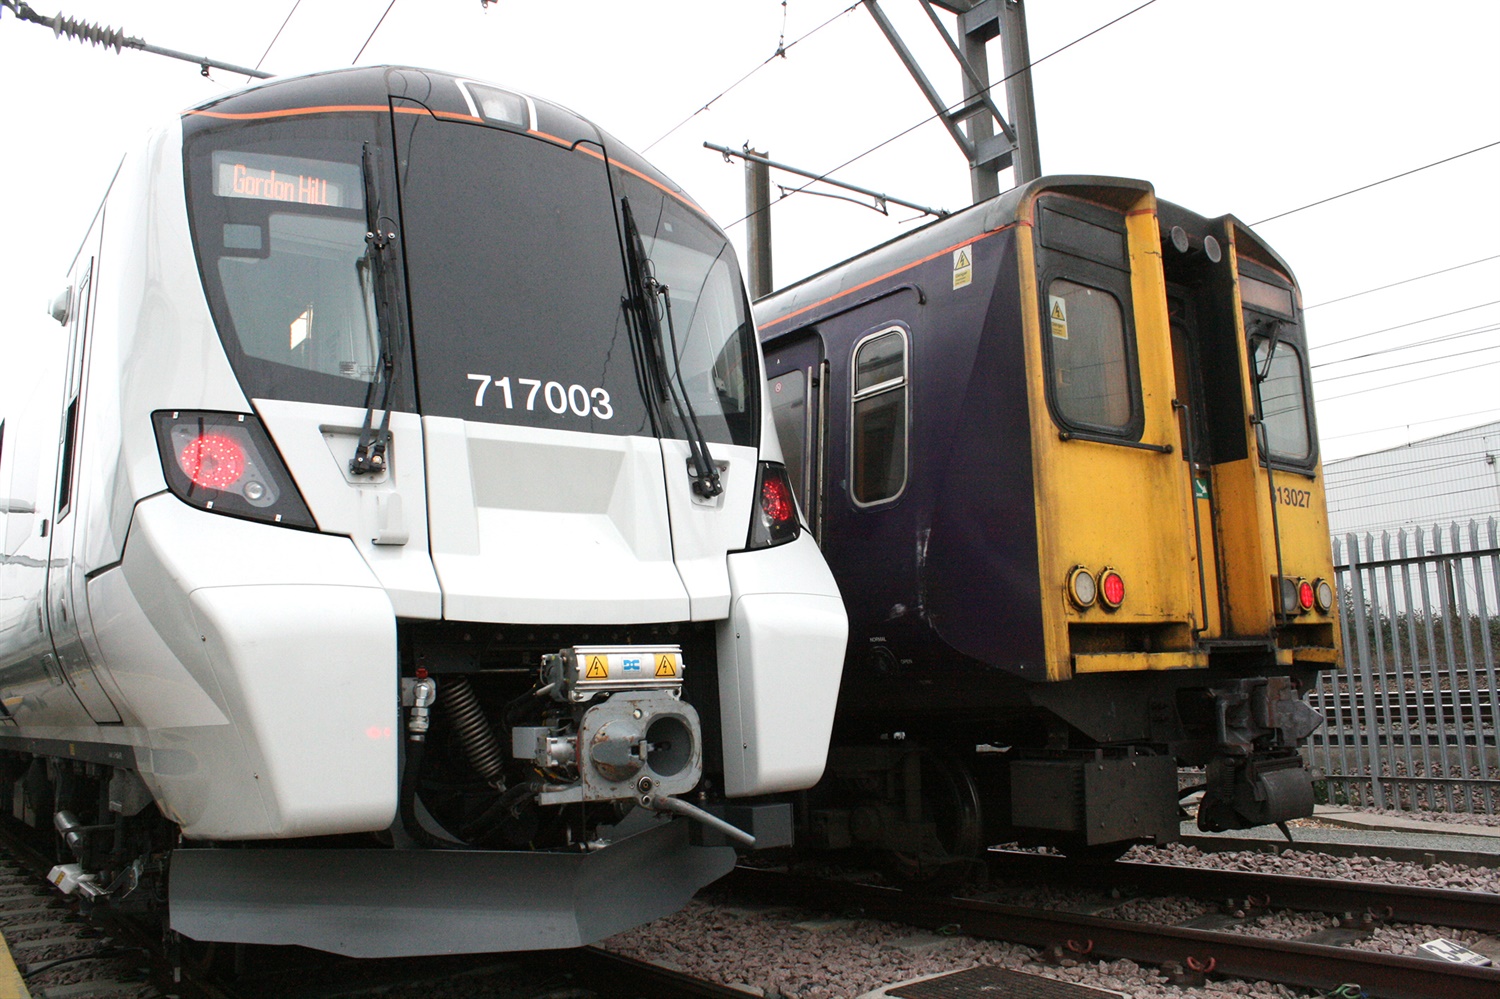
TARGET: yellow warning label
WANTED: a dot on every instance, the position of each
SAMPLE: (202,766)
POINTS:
(666,665)
(963,268)
(1059,311)
(598,668)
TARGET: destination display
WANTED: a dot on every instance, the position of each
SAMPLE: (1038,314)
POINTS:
(288,179)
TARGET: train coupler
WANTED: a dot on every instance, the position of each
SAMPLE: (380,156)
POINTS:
(1243,792)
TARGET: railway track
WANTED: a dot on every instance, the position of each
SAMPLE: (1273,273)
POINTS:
(1388,903)
(1062,934)
(1411,854)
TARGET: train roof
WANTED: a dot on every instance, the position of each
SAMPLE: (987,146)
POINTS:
(931,240)
(371,88)
(951,232)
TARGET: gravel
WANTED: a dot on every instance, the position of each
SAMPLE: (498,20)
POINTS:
(784,952)
(1304,863)
(767,953)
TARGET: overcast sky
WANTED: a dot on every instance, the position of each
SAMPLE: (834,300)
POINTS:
(1251,108)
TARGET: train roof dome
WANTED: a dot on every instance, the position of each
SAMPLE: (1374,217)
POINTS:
(444,95)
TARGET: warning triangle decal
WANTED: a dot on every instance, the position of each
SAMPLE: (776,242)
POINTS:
(963,259)
(598,668)
(1057,310)
(665,666)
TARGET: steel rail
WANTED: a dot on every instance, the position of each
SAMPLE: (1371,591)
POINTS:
(1289,962)
(1472,910)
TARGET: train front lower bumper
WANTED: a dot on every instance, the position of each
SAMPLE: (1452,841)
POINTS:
(403,903)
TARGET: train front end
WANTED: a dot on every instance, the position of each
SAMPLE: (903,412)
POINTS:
(460,551)
(1187,582)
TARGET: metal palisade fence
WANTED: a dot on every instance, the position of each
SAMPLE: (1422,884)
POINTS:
(1410,714)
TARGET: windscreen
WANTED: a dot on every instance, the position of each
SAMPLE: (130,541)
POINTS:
(1283,400)
(1275,336)
(707,336)
(516,280)
(517,285)
(279,222)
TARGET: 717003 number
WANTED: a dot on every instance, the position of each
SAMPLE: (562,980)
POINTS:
(558,398)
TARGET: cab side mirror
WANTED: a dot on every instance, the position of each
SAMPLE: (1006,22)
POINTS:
(61,308)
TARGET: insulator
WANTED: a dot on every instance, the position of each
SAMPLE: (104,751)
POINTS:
(95,34)
(480,746)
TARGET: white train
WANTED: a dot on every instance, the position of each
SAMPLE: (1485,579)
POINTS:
(397,537)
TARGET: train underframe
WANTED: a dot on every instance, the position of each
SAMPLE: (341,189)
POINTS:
(1088,766)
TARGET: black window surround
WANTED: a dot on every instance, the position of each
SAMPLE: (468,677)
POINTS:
(1087,245)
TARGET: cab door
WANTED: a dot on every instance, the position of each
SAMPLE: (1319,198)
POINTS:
(1197,449)
(797,374)
(66,601)
(1113,495)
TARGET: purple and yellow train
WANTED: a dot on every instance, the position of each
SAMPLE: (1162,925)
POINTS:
(1059,450)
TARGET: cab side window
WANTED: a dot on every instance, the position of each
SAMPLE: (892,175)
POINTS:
(878,429)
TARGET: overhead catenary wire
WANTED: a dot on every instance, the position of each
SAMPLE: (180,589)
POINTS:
(277,36)
(1460,335)
(1482,487)
(952,107)
(1458,447)
(1494,410)
(782,48)
(372,33)
(1381,471)
(1372,471)
(1402,326)
(1377,183)
(1393,284)
(1444,338)
(1407,381)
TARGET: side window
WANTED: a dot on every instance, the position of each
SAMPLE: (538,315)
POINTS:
(1083,278)
(877,463)
(789,414)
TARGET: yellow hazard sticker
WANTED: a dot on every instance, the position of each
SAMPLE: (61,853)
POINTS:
(1057,308)
(963,267)
(666,664)
(598,668)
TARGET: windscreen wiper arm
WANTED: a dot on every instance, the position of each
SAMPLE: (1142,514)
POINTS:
(380,233)
(645,290)
(1271,343)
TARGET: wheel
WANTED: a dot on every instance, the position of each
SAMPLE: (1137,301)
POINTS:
(943,829)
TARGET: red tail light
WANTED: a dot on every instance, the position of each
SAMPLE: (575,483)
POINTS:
(226,463)
(214,461)
(1111,588)
(1305,594)
(774,519)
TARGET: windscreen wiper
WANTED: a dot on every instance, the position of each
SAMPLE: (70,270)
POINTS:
(645,292)
(380,234)
(1271,343)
